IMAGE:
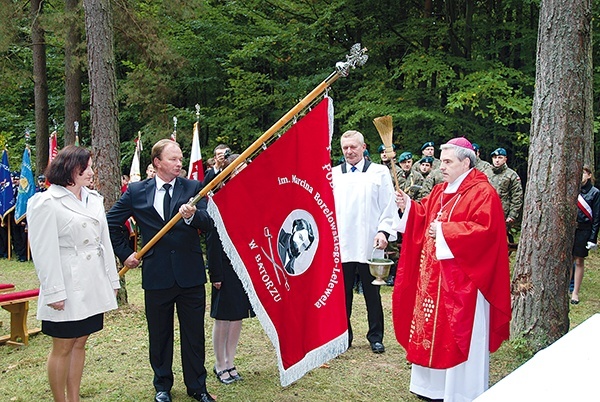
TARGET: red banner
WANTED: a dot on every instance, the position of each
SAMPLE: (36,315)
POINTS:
(276,219)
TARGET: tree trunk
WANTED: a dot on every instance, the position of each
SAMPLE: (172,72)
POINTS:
(103,98)
(40,82)
(469,11)
(103,102)
(561,129)
(73,71)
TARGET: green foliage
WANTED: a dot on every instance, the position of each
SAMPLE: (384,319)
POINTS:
(439,73)
(522,348)
(497,93)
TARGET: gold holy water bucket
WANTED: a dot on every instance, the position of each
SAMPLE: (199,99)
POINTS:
(380,269)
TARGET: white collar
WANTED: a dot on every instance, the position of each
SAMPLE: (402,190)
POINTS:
(84,195)
(160,182)
(453,187)
(359,166)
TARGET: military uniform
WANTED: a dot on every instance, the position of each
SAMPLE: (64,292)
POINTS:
(434,177)
(388,164)
(435,165)
(411,183)
(508,184)
(484,167)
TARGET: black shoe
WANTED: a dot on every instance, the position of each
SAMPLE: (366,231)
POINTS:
(237,376)
(390,280)
(228,380)
(162,396)
(424,398)
(377,347)
(202,396)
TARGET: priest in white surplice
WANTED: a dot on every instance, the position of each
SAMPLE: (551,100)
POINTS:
(366,217)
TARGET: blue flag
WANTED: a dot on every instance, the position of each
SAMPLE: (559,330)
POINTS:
(26,187)
(7,198)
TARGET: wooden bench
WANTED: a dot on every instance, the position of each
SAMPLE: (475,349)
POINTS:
(6,287)
(17,303)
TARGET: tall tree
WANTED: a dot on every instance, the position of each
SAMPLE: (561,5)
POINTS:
(103,104)
(561,133)
(103,97)
(73,71)
(40,79)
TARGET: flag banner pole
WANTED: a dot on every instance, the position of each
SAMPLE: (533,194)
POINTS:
(356,58)
(196,171)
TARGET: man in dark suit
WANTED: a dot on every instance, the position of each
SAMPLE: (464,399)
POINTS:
(173,272)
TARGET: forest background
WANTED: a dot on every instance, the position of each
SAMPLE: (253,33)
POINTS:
(440,68)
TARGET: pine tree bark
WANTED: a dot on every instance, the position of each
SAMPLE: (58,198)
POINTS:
(40,86)
(103,104)
(561,131)
(103,98)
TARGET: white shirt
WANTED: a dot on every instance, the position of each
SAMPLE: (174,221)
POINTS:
(364,205)
(359,166)
(159,194)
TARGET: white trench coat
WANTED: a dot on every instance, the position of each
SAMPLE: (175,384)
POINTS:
(72,254)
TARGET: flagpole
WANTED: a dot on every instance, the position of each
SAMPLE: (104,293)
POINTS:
(356,58)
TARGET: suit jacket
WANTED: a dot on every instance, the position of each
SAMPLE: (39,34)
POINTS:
(177,257)
(72,254)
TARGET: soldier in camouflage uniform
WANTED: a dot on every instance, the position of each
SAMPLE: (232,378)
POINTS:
(481,165)
(434,177)
(410,181)
(425,166)
(427,149)
(508,184)
(386,161)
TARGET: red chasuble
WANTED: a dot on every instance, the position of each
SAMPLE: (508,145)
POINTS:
(433,303)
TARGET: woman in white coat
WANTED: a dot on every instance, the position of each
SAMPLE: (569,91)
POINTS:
(75,264)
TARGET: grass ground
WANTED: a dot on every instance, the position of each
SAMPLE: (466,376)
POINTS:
(117,367)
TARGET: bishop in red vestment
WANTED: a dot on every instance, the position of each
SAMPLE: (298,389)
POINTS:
(453,282)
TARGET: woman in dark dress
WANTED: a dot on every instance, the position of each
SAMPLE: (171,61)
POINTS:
(588,225)
(229,305)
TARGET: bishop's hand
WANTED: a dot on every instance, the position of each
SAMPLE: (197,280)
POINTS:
(401,200)
(432,229)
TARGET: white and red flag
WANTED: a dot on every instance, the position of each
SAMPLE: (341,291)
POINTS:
(52,147)
(134,172)
(277,222)
(196,171)
(52,151)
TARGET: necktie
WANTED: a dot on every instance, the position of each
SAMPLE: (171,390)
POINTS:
(167,202)
(353,169)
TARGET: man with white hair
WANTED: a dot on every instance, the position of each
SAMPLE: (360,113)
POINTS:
(366,218)
(451,304)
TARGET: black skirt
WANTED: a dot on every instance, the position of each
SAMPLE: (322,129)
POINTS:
(73,329)
(230,303)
